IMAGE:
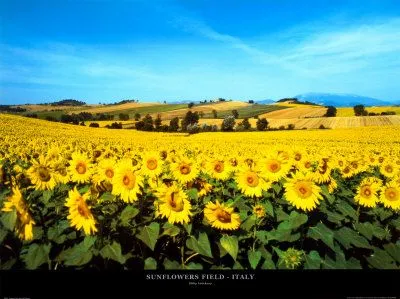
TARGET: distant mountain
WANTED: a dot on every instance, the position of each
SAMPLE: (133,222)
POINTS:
(266,101)
(341,100)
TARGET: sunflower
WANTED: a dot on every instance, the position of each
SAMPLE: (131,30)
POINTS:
(221,217)
(390,195)
(79,168)
(259,210)
(42,175)
(218,169)
(60,171)
(275,167)
(323,173)
(184,170)
(80,215)
(152,164)
(251,183)
(25,222)
(173,204)
(367,192)
(302,192)
(332,185)
(388,169)
(105,171)
(126,181)
(292,258)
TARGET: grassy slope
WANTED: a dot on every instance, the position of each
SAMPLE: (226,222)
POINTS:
(249,111)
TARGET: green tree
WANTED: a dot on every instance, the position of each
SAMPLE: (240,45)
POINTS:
(235,113)
(246,124)
(137,116)
(331,111)
(158,122)
(359,110)
(215,114)
(228,123)
(174,124)
(262,124)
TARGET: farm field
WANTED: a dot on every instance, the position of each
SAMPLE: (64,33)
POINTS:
(316,122)
(80,197)
(296,112)
(349,111)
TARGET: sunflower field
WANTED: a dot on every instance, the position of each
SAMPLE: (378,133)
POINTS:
(79,197)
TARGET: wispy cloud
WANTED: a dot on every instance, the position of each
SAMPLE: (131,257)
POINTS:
(319,51)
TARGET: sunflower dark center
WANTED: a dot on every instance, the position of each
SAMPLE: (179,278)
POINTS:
(184,169)
(151,164)
(224,216)
(43,174)
(81,168)
(109,173)
(389,169)
(219,167)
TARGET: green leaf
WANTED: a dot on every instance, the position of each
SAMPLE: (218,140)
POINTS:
(3,234)
(346,209)
(194,266)
(248,224)
(277,188)
(268,264)
(296,220)
(327,195)
(80,254)
(369,230)
(347,236)
(313,260)
(170,230)
(149,234)
(55,232)
(113,252)
(36,255)
(321,232)
(254,258)
(193,193)
(84,189)
(9,219)
(107,196)
(262,236)
(8,264)
(37,232)
(171,265)
(127,214)
(393,250)
(231,245)
(201,246)
(188,228)
(281,215)
(383,213)
(381,260)
(334,217)
(237,266)
(150,264)
(47,195)
(269,208)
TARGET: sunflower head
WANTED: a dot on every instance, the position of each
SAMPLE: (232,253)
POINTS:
(292,258)
(173,204)
(259,211)
(390,195)
(221,217)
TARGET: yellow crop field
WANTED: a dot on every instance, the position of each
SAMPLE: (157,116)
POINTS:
(113,108)
(78,197)
(42,108)
(220,106)
(296,112)
(349,111)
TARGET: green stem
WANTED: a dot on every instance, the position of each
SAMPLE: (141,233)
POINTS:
(190,257)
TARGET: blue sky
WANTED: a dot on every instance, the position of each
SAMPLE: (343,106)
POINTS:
(106,51)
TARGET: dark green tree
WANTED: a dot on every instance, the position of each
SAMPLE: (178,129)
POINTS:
(262,124)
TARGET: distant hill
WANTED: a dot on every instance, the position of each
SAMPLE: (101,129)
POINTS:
(66,102)
(266,101)
(341,100)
